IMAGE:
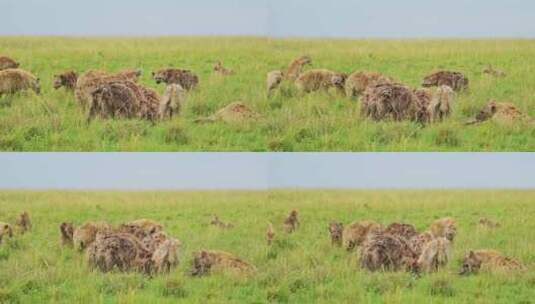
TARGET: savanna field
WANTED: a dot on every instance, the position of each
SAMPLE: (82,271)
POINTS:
(54,121)
(302,267)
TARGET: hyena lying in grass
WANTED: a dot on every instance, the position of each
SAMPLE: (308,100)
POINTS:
(220,224)
(489,261)
(210,261)
(236,112)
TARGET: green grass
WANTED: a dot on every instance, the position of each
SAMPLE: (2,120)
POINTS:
(317,122)
(301,268)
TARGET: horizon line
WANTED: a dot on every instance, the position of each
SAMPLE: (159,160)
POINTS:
(285,37)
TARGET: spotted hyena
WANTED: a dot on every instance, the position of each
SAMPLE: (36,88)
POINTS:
(445,227)
(66,233)
(356,233)
(490,261)
(24,223)
(206,262)
(455,80)
(387,252)
(291,223)
(185,78)
(336,230)
(66,79)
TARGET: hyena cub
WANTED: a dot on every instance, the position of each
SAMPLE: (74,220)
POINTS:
(291,223)
(489,260)
(336,230)
(206,262)
(24,223)
(67,231)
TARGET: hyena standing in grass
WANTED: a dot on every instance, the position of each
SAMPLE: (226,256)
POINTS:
(435,254)
(274,79)
(24,222)
(357,232)
(67,80)
(445,227)
(17,80)
(336,230)
(270,234)
(291,223)
(295,69)
(455,80)
(67,231)
(6,231)
(386,252)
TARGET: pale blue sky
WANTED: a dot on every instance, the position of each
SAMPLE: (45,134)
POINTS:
(184,171)
(278,18)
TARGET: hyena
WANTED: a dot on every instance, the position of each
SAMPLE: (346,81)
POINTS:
(336,230)
(209,261)
(489,260)
(67,231)
(291,223)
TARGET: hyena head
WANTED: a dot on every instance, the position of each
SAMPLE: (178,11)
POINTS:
(487,112)
(161,76)
(336,229)
(430,80)
(67,79)
(202,262)
(339,80)
(305,60)
(471,264)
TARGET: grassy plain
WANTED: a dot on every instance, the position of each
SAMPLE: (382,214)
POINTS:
(317,122)
(300,268)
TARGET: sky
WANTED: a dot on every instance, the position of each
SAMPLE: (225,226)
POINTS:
(263,171)
(274,18)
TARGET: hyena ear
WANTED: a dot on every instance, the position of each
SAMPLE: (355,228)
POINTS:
(204,254)
(471,254)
